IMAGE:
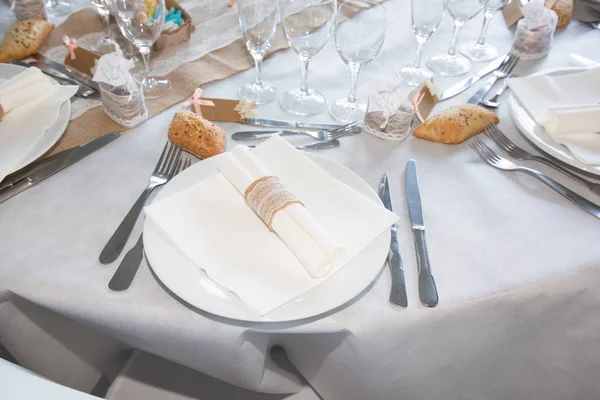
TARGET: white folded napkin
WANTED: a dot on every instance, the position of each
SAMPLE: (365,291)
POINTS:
(31,104)
(303,235)
(214,228)
(568,108)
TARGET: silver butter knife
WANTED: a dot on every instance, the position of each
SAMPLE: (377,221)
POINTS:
(74,75)
(37,172)
(82,91)
(467,83)
(289,124)
(427,289)
(398,292)
(329,144)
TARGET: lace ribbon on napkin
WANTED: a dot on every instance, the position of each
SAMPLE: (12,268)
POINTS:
(267,196)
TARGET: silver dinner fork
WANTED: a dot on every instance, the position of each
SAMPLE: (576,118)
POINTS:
(511,149)
(123,276)
(162,173)
(348,129)
(504,71)
(489,156)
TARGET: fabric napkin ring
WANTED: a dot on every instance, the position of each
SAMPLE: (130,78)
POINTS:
(267,196)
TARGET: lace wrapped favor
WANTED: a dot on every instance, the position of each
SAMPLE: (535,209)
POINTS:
(389,113)
(533,37)
(122,95)
(29,9)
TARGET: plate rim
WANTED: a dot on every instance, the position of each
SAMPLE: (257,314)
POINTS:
(258,319)
(542,146)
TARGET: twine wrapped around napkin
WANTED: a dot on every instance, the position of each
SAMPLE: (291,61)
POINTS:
(281,212)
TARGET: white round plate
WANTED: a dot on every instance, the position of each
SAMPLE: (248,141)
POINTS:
(538,136)
(52,134)
(187,282)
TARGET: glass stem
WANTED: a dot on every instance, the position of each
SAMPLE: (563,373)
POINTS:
(457,28)
(487,18)
(354,71)
(304,81)
(420,43)
(258,64)
(145,52)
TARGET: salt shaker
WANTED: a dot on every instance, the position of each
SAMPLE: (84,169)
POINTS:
(29,9)
(122,95)
(534,34)
(389,113)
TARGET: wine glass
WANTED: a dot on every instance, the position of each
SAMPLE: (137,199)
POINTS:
(58,8)
(258,21)
(103,45)
(451,64)
(307,27)
(359,34)
(480,50)
(426,17)
(143,30)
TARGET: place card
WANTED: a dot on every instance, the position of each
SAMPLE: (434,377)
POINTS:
(227,110)
(83,62)
(424,98)
(512,12)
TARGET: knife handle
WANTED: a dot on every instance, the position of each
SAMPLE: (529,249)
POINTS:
(15,189)
(427,289)
(124,275)
(251,135)
(398,292)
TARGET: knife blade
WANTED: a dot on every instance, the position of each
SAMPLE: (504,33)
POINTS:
(467,83)
(427,289)
(82,90)
(289,124)
(70,73)
(37,172)
(398,292)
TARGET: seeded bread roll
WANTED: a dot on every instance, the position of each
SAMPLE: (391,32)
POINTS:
(197,135)
(24,39)
(564,10)
(455,124)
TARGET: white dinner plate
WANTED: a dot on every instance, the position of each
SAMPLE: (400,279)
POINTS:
(538,135)
(52,134)
(187,281)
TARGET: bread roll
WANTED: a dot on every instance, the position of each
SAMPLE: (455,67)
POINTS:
(24,39)
(455,124)
(197,135)
(564,10)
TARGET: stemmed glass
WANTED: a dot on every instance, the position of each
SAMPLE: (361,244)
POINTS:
(143,30)
(480,50)
(426,17)
(451,64)
(58,8)
(105,44)
(258,21)
(307,27)
(359,34)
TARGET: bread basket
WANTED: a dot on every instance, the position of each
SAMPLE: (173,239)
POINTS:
(181,34)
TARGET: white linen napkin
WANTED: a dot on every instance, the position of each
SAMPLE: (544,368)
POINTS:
(568,108)
(214,228)
(303,235)
(31,104)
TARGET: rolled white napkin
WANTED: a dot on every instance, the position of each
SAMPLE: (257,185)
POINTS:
(566,106)
(24,88)
(297,228)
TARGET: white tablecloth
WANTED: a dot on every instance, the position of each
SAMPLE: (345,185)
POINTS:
(504,329)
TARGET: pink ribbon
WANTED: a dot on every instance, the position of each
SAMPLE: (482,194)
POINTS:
(196,102)
(71,44)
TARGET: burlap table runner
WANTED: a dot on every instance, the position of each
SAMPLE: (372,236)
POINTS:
(219,64)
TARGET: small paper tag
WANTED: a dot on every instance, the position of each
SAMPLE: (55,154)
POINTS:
(113,70)
(223,110)
(84,60)
(512,12)
(426,99)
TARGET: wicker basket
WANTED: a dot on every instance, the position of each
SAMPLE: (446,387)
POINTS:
(181,34)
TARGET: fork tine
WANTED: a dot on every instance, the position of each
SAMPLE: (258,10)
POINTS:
(512,64)
(171,168)
(484,151)
(475,146)
(164,166)
(162,156)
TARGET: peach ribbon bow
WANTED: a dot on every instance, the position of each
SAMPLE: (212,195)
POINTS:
(196,102)
(71,44)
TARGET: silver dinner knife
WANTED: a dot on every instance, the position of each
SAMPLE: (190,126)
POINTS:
(467,83)
(83,80)
(289,124)
(37,172)
(427,289)
(398,291)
